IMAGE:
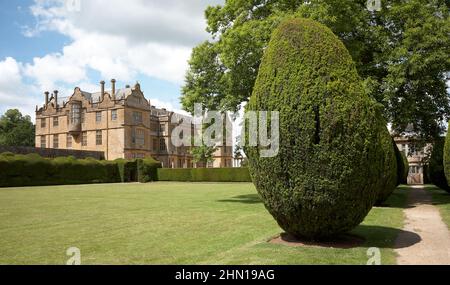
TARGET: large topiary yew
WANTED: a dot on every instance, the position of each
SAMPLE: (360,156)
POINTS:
(327,174)
(436,173)
(446,155)
(390,180)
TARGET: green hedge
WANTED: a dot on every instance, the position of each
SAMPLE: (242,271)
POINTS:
(34,170)
(127,170)
(435,170)
(147,170)
(331,161)
(204,174)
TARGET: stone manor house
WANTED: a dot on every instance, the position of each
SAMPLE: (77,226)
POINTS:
(415,157)
(121,123)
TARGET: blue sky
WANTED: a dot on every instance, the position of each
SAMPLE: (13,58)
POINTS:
(13,16)
(49,44)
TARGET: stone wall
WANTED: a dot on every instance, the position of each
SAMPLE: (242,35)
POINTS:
(51,153)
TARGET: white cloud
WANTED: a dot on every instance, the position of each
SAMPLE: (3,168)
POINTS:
(13,92)
(121,39)
(170,106)
(118,39)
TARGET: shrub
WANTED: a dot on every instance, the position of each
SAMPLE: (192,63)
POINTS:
(402,168)
(326,176)
(389,181)
(221,174)
(127,170)
(435,171)
(33,170)
(404,177)
(147,169)
(174,174)
(205,174)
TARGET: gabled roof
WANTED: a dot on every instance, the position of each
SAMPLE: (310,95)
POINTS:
(97,96)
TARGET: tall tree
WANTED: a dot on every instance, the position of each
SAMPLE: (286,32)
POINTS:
(203,154)
(401,52)
(16,129)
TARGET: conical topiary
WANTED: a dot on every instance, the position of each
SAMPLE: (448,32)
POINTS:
(326,176)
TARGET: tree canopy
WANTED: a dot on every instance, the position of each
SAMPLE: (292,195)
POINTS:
(16,129)
(401,52)
(203,154)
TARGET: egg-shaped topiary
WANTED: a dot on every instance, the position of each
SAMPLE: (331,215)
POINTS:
(439,165)
(326,175)
(389,181)
(402,165)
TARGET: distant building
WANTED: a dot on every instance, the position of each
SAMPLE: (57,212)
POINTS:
(415,158)
(121,123)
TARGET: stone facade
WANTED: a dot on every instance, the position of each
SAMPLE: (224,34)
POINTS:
(121,123)
(416,159)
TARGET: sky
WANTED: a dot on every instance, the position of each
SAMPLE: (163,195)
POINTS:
(51,45)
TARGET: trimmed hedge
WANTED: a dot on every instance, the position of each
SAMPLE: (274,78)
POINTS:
(175,174)
(402,165)
(435,170)
(147,170)
(405,169)
(326,176)
(204,174)
(389,181)
(34,170)
(127,170)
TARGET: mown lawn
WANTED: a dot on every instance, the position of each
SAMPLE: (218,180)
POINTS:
(441,199)
(166,223)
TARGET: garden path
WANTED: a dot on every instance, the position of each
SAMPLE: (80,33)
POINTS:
(424,219)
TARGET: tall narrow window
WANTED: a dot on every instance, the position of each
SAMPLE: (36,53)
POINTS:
(69,141)
(84,139)
(83,116)
(162,128)
(137,117)
(98,138)
(43,142)
(98,117)
(113,115)
(55,121)
(55,141)
(75,113)
(133,136)
(140,137)
(162,144)
(43,123)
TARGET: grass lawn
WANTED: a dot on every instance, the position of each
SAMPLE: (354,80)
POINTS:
(167,223)
(441,199)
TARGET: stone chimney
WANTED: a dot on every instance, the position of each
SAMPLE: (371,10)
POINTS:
(102,85)
(46,97)
(56,98)
(113,89)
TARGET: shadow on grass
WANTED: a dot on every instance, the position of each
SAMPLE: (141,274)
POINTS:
(362,236)
(246,199)
(385,237)
(440,196)
(398,199)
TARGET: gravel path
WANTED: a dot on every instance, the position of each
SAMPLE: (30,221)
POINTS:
(424,219)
